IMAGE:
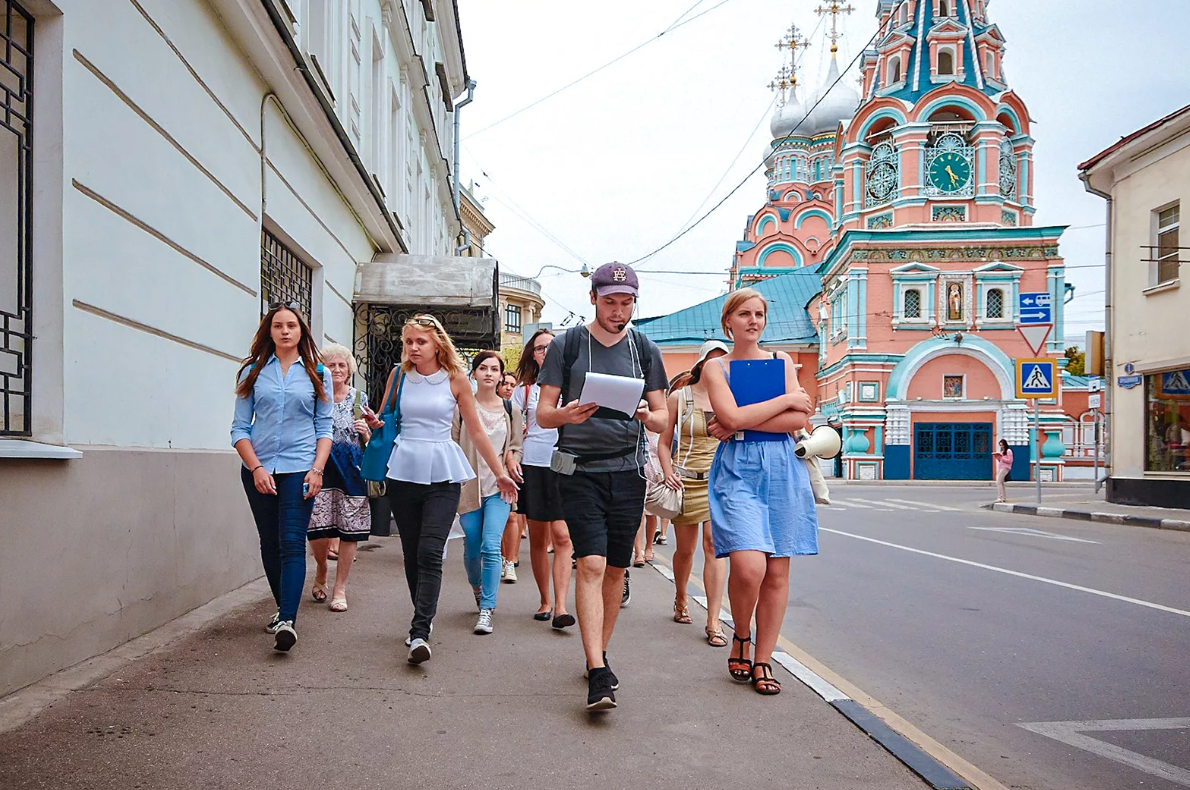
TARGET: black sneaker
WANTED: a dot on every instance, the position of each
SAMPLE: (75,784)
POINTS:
(626,598)
(614,680)
(600,694)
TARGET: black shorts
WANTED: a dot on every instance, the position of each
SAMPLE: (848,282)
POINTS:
(539,499)
(603,512)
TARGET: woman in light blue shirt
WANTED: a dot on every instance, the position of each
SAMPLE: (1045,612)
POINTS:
(282,431)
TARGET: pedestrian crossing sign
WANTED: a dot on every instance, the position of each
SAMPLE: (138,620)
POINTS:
(1036,378)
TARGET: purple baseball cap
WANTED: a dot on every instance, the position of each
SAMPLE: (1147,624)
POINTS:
(615,278)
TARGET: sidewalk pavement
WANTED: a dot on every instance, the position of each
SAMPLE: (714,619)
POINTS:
(219,708)
(1095,509)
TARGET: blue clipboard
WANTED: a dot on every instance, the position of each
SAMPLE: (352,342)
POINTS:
(755,381)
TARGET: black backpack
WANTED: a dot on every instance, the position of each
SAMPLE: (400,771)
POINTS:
(570,352)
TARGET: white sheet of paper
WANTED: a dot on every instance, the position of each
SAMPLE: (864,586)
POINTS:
(621,393)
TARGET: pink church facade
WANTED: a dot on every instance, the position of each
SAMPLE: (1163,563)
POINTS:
(913,201)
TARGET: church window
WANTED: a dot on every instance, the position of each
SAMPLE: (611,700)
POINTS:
(1008,175)
(945,62)
(995,303)
(894,70)
(943,7)
(912,306)
(903,14)
(817,169)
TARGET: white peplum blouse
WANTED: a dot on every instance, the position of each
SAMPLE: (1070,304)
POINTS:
(423,451)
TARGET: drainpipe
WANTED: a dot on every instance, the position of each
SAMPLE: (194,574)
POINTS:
(1109,332)
(458,106)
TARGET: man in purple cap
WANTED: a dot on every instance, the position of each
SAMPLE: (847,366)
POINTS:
(600,457)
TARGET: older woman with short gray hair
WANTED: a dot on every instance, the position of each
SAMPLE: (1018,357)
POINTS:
(341,509)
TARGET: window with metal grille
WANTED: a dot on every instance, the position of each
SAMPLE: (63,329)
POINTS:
(16,206)
(995,303)
(512,318)
(913,304)
(1168,220)
(284,277)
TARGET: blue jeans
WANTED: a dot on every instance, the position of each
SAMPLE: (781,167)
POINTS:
(282,521)
(482,531)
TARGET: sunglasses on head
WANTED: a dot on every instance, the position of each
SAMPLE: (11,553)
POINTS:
(288,305)
(423,320)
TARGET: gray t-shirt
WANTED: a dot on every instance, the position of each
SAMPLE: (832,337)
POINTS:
(599,436)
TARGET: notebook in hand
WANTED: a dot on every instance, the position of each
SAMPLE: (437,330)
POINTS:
(755,381)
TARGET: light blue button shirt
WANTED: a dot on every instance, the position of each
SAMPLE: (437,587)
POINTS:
(281,418)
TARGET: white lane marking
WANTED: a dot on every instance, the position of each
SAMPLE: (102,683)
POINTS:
(1069,732)
(809,677)
(852,503)
(884,503)
(1056,583)
(1035,533)
(927,504)
(665,571)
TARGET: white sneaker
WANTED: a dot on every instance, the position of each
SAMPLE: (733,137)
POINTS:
(286,636)
(419,651)
(484,624)
(409,639)
(504,569)
(510,574)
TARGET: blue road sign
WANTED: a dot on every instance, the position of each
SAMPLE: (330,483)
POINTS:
(1035,378)
(1035,308)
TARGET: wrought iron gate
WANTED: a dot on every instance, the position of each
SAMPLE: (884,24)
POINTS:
(378,337)
(952,451)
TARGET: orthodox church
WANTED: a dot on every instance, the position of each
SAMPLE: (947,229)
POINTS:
(895,237)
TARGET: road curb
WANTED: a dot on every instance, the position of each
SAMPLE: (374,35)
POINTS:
(932,770)
(1151,522)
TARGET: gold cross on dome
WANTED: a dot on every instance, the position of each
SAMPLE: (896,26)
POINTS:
(783,82)
(834,8)
(792,40)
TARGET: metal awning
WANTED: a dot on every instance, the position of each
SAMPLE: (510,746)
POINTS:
(431,281)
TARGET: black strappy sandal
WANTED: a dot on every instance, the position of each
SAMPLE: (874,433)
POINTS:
(740,668)
(765,683)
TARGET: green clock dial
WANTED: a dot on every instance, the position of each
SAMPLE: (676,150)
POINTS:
(950,172)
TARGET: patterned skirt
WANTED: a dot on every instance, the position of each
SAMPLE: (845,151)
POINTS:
(341,509)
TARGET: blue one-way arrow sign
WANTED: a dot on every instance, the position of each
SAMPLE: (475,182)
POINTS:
(1035,308)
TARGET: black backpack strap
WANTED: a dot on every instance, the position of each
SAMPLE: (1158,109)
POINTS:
(570,351)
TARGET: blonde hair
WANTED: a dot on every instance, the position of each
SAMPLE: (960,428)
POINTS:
(734,301)
(332,350)
(448,356)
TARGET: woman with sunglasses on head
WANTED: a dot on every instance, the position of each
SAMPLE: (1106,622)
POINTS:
(542,500)
(689,415)
(426,468)
(483,513)
(282,432)
(761,502)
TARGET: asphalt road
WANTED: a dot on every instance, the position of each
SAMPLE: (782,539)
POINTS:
(970,624)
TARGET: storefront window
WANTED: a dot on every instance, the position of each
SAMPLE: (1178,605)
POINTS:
(1167,433)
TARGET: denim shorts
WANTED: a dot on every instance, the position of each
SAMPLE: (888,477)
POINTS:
(603,512)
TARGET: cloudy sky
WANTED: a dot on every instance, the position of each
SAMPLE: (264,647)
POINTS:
(615,166)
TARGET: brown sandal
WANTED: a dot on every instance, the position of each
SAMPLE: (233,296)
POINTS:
(715,637)
(765,683)
(682,614)
(739,667)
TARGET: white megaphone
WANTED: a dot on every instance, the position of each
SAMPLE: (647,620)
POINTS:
(822,443)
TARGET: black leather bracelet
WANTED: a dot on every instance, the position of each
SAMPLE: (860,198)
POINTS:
(258,466)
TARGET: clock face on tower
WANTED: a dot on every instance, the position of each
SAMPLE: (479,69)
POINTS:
(950,171)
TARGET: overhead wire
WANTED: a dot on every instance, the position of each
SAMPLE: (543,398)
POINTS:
(677,23)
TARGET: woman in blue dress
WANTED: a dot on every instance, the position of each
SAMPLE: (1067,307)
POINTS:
(761,502)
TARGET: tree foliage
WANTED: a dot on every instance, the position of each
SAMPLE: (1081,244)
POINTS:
(1077,364)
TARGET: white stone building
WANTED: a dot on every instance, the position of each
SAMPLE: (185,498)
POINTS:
(1145,180)
(166,168)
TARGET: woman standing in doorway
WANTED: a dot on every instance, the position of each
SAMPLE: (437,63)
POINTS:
(341,509)
(689,415)
(1003,467)
(542,499)
(426,467)
(282,432)
(761,503)
(483,511)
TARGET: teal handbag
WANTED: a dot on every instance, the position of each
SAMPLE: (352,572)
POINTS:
(374,466)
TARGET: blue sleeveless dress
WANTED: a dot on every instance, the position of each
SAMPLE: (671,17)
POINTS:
(761,499)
